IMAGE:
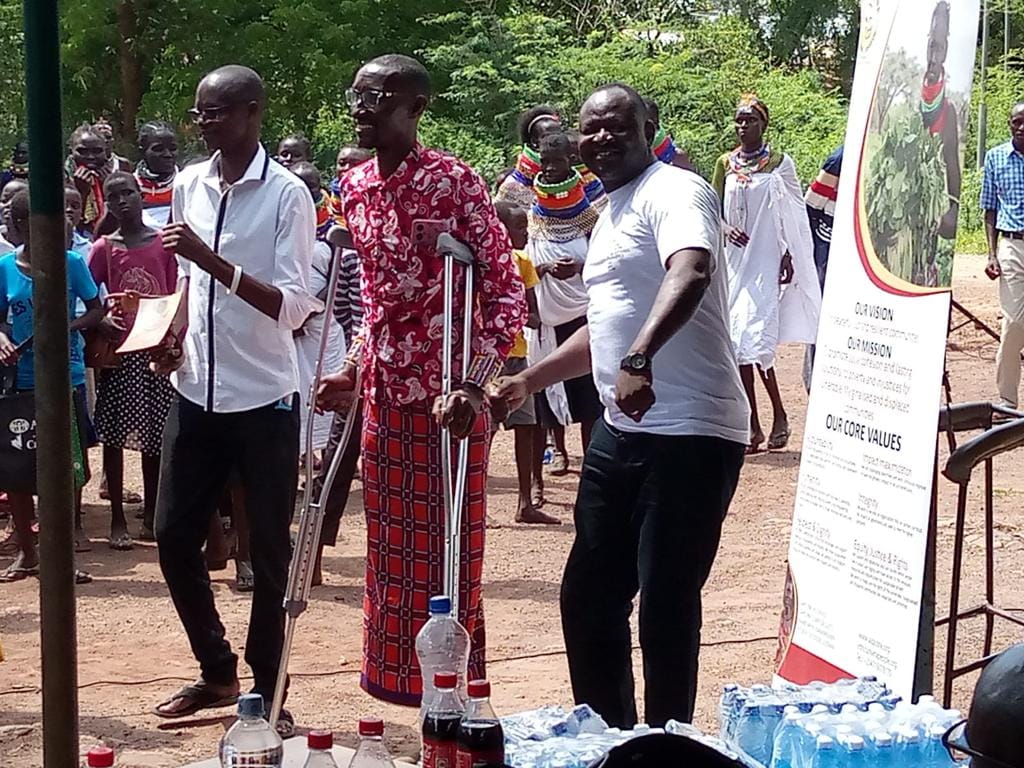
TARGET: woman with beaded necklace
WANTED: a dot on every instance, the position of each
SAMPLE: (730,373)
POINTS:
(561,219)
(774,295)
(534,124)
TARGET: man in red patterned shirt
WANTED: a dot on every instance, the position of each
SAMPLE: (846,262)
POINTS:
(396,205)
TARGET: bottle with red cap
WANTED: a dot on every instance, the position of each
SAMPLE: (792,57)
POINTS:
(100,757)
(371,752)
(441,723)
(481,739)
(320,745)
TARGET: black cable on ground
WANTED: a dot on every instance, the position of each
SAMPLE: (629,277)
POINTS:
(350,671)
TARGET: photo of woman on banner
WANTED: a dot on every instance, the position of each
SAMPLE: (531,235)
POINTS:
(911,190)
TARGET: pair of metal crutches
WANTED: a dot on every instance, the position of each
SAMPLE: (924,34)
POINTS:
(311,519)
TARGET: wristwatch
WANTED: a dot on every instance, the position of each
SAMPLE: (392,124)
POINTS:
(636,362)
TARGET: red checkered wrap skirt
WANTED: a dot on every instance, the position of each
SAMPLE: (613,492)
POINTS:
(404,504)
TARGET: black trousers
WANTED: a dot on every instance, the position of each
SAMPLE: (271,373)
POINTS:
(200,450)
(337,496)
(648,518)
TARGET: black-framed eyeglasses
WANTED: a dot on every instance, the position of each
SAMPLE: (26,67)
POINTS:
(208,114)
(370,98)
(955,742)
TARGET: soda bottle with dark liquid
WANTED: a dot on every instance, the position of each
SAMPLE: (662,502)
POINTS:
(441,723)
(481,738)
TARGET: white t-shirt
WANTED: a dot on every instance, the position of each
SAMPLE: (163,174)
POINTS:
(696,378)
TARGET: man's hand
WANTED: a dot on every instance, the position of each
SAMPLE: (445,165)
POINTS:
(786,269)
(512,390)
(337,391)
(458,411)
(563,269)
(737,236)
(992,269)
(180,239)
(168,357)
(634,394)
(8,350)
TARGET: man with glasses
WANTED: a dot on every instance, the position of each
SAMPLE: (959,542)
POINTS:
(243,229)
(993,736)
(396,205)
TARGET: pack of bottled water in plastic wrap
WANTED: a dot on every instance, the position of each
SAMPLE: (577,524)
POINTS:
(853,723)
(550,737)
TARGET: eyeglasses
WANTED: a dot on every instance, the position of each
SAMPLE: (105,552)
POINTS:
(955,742)
(370,98)
(208,114)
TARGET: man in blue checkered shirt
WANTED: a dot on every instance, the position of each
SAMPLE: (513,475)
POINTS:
(1002,200)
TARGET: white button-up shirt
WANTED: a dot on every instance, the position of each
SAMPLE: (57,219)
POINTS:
(235,357)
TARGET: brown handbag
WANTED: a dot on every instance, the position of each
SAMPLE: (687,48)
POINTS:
(99,350)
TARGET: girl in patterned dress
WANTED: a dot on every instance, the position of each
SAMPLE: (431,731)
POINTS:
(131,401)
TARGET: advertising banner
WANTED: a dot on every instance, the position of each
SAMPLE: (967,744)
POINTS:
(860,525)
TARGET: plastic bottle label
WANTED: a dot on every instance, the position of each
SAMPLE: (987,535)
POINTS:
(438,754)
(272,757)
(465,758)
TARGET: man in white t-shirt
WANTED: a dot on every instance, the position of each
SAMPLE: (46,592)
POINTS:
(664,462)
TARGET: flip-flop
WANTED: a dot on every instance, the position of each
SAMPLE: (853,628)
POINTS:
(245,581)
(81,577)
(779,440)
(201,697)
(82,544)
(127,497)
(122,543)
(285,725)
(13,573)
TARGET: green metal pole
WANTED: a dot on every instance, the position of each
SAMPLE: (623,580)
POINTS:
(55,478)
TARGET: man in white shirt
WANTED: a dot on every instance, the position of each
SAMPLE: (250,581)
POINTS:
(244,232)
(664,462)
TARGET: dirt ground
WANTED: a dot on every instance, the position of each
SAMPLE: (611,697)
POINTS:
(132,651)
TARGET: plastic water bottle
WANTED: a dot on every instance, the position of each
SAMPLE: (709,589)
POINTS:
(908,746)
(549,455)
(725,709)
(825,754)
(320,744)
(934,754)
(100,757)
(481,739)
(854,753)
(752,735)
(251,742)
(882,752)
(788,749)
(442,646)
(371,752)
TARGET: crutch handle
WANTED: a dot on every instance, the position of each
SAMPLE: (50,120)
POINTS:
(449,247)
(339,237)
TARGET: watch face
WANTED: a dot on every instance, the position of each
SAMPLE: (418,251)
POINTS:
(637,361)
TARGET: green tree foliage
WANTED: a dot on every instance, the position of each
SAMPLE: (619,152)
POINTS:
(696,72)
(129,60)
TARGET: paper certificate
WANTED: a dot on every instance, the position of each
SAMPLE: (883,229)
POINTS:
(152,322)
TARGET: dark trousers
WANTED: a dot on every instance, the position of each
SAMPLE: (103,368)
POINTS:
(200,450)
(337,496)
(648,518)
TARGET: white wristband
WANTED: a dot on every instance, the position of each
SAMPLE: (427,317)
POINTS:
(236,278)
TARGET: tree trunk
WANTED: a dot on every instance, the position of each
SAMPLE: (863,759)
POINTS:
(130,64)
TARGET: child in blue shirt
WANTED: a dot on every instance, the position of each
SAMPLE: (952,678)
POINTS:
(16,301)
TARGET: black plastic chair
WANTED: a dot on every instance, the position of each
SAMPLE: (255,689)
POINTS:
(982,449)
